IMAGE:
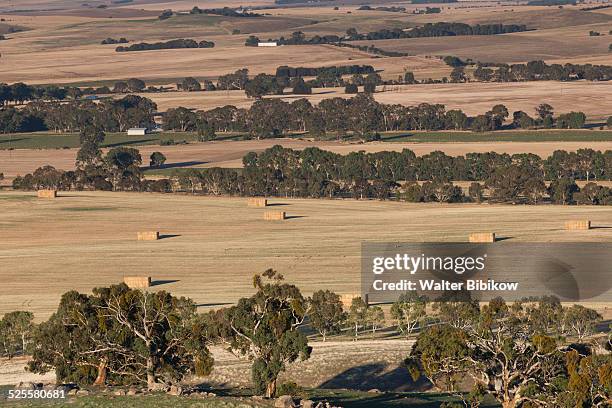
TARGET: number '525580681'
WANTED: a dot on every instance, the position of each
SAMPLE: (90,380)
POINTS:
(36,394)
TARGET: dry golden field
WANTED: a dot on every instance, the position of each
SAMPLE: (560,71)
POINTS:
(592,98)
(63,45)
(214,245)
(230,153)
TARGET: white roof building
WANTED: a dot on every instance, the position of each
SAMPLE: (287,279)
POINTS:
(137,131)
(267,44)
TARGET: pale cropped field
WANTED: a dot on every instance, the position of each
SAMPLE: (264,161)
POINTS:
(215,245)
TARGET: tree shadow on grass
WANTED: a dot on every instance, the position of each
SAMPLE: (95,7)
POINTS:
(397,137)
(376,375)
(14,140)
(163,282)
(214,304)
(177,165)
(166,236)
(129,142)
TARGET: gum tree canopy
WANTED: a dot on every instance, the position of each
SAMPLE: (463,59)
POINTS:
(120,336)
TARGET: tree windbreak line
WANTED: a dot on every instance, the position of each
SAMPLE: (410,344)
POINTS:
(316,173)
(440,29)
(172,44)
(540,71)
(111,115)
(225,11)
(360,117)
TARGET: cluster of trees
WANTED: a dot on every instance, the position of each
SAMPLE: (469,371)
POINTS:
(110,40)
(432,1)
(540,71)
(19,93)
(111,115)
(440,29)
(514,353)
(16,330)
(428,10)
(392,9)
(122,336)
(172,44)
(225,11)
(371,49)
(292,72)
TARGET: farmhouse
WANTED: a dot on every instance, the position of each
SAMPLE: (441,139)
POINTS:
(267,44)
(137,131)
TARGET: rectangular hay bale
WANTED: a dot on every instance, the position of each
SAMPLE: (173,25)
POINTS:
(274,215)
(46,193)
(482,237)
(578,225)
(257,202)
(347,299)
(137,281)
(148,236)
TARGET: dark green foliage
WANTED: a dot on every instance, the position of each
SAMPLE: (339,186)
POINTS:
(351,89)
(264,327)
(157,159)
(325,312)
(122,336)
(301,88)
(572,120)
(263,84)
(225,11)
(190,84)
(168,45)
(16,330)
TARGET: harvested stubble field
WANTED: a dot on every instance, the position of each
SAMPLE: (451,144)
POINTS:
(473,98)
(63,45)
(229,154)
(213,246)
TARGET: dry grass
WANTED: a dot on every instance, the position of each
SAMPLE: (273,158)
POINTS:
(222,242)
(63,45)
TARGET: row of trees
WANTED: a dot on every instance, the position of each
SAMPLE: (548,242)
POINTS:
(516,353)
(172,44)
(361,116)
(111,115)
(312,172)
(440,29)
(225,11)
(540,71)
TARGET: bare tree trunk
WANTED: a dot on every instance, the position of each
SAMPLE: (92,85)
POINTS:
(101,378)
(150,373)
(271,389)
